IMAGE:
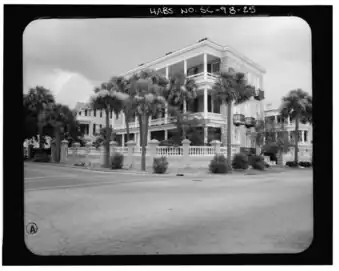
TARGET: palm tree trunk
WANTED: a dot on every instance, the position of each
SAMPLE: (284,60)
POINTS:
(229,132)
(127,126)
(141,139)
(40,136)
(57,143)
(296,139)
(144,132)
(108,136)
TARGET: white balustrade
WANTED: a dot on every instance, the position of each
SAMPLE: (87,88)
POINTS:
(169,151)
(196,75)
(201,151)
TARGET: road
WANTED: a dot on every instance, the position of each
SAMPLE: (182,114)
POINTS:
(79,212)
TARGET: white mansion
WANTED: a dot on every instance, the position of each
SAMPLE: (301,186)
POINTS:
(201,61)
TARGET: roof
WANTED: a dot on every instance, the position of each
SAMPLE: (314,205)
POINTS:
(80,105)
(200,43)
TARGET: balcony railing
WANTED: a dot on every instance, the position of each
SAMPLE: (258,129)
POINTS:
(160,121)
(200,76)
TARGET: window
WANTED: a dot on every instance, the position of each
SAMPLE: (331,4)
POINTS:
(94,131)
(100,126)
(215,67)
(94,113)
(100,113)
(305,136)
(85,112)
(79,113)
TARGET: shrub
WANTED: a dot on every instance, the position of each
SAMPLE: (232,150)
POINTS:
(219,164)
(257,162)
(240,161)
(160,165)
(117,161)
(305,164)
(291,164)
(41,156)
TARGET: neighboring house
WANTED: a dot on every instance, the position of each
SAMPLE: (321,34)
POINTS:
(305,130)
(203,61)
(91,121)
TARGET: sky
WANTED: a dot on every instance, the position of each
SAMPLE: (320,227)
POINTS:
(72,56)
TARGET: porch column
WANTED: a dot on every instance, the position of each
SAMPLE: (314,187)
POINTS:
(113,119)
(123,120)
(205,103)
(205,66)
(185,67)
(185,106)
(166,134)
(137,139)
(90,129)
(166,72)
(166,113)
(205,135)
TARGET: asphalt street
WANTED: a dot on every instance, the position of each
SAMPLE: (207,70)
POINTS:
(80,212)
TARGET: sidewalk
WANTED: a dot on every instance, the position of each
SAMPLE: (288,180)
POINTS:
(171,172)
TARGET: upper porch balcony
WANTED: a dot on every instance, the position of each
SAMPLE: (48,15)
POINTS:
(203,68)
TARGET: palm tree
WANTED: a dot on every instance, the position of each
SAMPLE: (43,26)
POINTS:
(107,99)
(180,91)
(59,117)
(148,87)
(120,84)
(35,101)
(298,106)
(231,87)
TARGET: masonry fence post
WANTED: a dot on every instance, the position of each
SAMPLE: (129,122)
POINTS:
(63,151)
(185,147)
(130,155)
(216,145)
(88,151)
(76,146)
(153,144)
(102,155)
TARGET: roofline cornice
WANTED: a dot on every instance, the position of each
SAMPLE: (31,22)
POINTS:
(191,47)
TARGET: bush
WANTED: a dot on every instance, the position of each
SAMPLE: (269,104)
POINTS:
(160,165)
(267,164)
(117,161)
(240,161)
(257,162)
(41,156)
(219,164)
(291,164)
(305,164)
(34,151)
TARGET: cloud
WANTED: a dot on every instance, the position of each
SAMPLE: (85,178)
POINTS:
(67,87)
(60,54)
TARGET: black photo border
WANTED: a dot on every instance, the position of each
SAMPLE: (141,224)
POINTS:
(17,17)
